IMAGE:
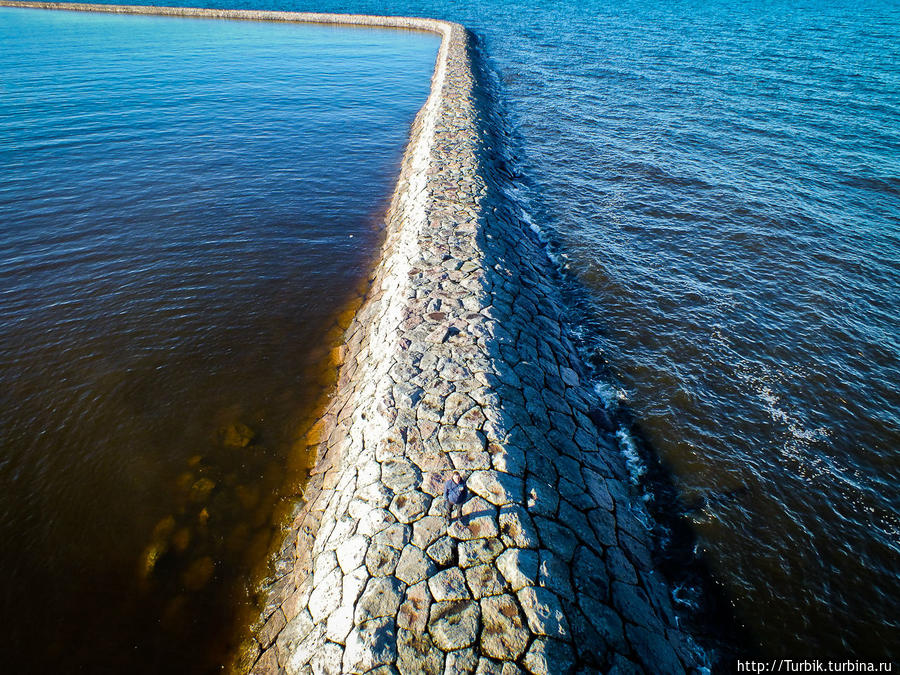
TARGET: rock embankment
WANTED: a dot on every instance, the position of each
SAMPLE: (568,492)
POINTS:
(459,359)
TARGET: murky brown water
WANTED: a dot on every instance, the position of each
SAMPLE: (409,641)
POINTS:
(186,208)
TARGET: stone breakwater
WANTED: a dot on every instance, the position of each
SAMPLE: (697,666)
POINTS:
(459,358)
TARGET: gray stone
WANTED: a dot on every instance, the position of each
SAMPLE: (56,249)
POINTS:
(400,474)
(470,460)
(457,439)
(370,645)
(488,666)
(604,525)
(543,611)
(381,559)
(427,530)
(653,650)
(541,499)
(339,624)
(373,521)
(590,575)
(479,521)
(497,488)
(479,551)
(549,657)
(557,537)
(416,653)
(519,567)
(632,604)
(619,566)
(413,565)
(605,621)
(503,633)
(507,459)
(354,582)
(410,506)
(293,634)
(328,659)
(413,613)
(450,584)
(300,653)
(454,624)
(461,662)
(396,535)
(352,552)
(517,528)
(326,597)
(553,573)
(484,580)
(443,551)
(380,598)
(596,485)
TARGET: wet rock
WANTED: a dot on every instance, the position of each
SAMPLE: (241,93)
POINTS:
(236,435)
(198,573)
(201,490)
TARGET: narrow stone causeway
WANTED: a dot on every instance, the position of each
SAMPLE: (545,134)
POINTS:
(460,359)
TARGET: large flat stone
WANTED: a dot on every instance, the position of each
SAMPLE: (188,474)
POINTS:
(454,624)
(369,645)
(544,612)
(503,632)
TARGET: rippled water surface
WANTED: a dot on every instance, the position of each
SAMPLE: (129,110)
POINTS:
(722,182)
(185,208)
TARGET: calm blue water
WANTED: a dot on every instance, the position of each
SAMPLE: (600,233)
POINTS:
(185,206)
(722,182)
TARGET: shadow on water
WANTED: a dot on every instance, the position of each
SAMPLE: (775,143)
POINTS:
(702,605)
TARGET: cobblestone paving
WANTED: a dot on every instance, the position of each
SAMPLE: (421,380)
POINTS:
(459,359)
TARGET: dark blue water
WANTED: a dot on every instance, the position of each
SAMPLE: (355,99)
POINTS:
(185,208)
(722,184)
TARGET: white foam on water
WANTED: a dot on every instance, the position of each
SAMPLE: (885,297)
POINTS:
(636,467)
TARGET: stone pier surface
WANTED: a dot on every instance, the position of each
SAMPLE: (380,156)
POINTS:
(459,358)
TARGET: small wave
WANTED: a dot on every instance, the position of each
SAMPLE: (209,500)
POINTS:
(637,469)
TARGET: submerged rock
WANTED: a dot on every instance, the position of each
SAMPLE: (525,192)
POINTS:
(201,489)
(236,435)
(198,573)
